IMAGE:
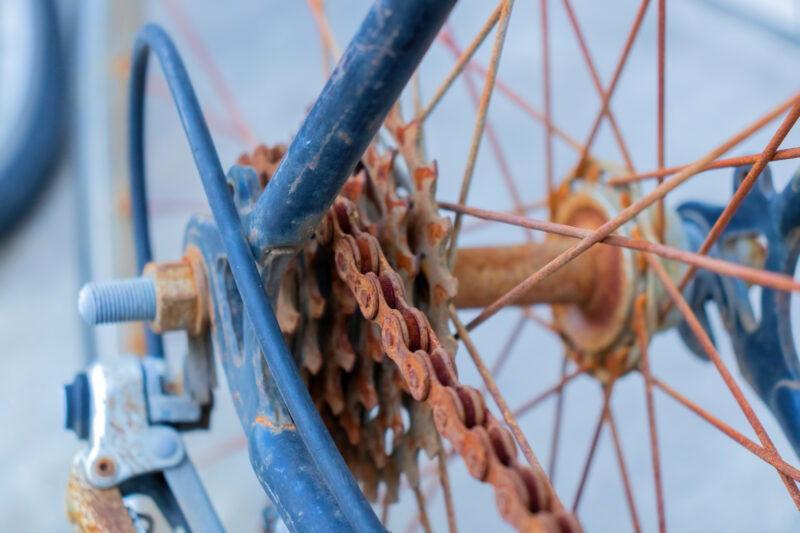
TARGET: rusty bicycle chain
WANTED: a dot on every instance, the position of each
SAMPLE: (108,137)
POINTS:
(429,374)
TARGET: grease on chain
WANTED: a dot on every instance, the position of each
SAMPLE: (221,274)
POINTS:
(429,374)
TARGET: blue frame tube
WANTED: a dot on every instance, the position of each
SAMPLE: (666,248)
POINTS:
(243,266)
(348,113)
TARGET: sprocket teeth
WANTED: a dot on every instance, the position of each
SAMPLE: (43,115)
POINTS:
(359,390)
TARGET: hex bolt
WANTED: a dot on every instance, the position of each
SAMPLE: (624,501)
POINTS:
(119,300)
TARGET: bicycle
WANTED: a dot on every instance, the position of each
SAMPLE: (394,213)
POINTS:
(606,325)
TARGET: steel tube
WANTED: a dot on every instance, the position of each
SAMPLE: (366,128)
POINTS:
(485,274)
(247,278)
(352,106)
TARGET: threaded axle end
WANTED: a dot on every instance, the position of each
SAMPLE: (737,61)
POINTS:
(121,300)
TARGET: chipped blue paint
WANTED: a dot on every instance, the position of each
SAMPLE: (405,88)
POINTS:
(764,347)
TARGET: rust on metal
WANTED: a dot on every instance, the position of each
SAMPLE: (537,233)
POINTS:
(627,214)
(485,274)
(756,276)
(179,303)
(597,324)
(429,374)
(93,510)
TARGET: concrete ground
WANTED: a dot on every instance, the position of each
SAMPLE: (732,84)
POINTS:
(721,74)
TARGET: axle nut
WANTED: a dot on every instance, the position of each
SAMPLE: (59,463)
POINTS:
(178,302)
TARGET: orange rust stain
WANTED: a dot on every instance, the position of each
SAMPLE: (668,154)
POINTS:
(440,294)
(124,203)
(436,232)
(422,174)
(406,263)
(264,421)
(121,66)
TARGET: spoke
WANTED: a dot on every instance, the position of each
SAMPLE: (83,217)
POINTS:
(222,450)
(626,482)
(708,347)
(625,215)
(480,122)
(551,469)
(756,276)
(508,416)
(769,457)
(505,351)
(198,47)
(592,447)
(494,142)
(640,327)
(597,83)
(780,155)
(741,191)
(330,49)
(463,59)
(416,92)
(444,481)
(217,122)
(422,507)
(534,113)
(536,400)
(546,324)
(385,505)
(662,30)
(478,224)
(637,23)
(548,108)
(429,492)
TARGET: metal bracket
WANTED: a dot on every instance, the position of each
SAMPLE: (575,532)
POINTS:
(127,445)
(122,443)
(763,345)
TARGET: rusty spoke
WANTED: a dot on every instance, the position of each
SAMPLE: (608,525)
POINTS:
(548,108)
(767,456)
(780,155)
(527,108)
(444,482)
(509,417)
(422,508)
(551,468)
(640,327)
(330,49)
(637,23)
(206,60)
(626,214)
(491,135)
(741,191)
(623,471)
(480,121)
(385,506)
(505,351)
(757,276)
(427,495)
(478,224)
(536,319)
(536,400)
(587,57)
(592,447)
(463,58)
(662,30)
(708,347)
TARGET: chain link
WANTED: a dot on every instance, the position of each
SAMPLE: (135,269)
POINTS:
(429,374)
